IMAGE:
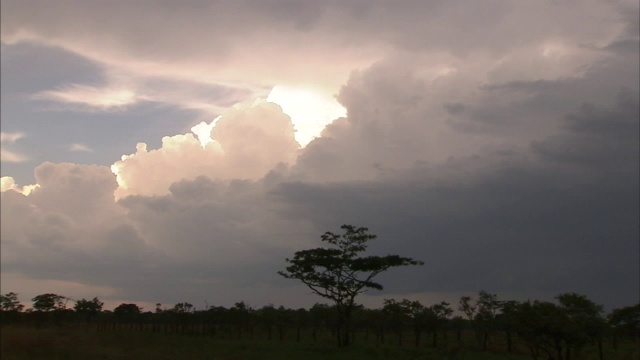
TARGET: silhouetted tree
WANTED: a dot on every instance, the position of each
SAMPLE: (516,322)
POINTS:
(49,302)
(127,312)
(437,317)
(507,321)
(481,314)
(340,274)
(181,308)
(88,308)
(267,317)
(543,327)
(626,321)
(397,315)
(585,322)
(10,302)
(322,316)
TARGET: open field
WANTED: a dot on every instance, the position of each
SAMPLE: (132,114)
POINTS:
(71,343)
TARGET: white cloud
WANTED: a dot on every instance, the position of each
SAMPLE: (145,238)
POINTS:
(80,147)
(92,97)
(8,183)
(8,155)
(11,137)
(12,156)
(247,142)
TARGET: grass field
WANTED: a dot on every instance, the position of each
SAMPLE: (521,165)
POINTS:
(81,343)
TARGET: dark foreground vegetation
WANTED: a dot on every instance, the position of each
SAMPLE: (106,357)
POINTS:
(488,328)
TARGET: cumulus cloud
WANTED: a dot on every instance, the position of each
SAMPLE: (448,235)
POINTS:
(8,183)
(248,141)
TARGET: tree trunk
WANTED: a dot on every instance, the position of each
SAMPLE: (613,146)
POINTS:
(346,341)
(485,340)
(600,352)
(559,350)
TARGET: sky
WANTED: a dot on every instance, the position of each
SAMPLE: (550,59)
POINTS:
(165,151)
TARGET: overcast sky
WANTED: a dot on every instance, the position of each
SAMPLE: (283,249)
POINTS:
(171,151)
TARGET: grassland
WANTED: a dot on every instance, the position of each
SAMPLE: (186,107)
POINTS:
(72,343)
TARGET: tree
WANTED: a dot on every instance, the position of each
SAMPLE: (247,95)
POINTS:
(89,308)
(181,308)
(397,314)
(10,302)
(482,314)
(559,330)
(440,314)
(338,273)
(92,307)
(626,321)
(127,311)
(542,326)
(585,322)
(49,302)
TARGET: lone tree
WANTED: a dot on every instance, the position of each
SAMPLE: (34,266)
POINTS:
(340,274)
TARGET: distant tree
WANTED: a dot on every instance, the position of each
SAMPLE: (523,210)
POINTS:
(93,306)
(422,319)
(560,330)
(49,302)
(507,321)
(543,327)
(482,314)
(626,321)
(585,322)
(241,315)
(397,314)
(321,316)
(439,315)
(267,317)
(180,308)
(10,302)
(88,308)
(127,311)
(338,273)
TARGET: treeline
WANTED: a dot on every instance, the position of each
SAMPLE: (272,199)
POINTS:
(559,330)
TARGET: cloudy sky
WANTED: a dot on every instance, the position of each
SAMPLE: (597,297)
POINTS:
(165,151)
